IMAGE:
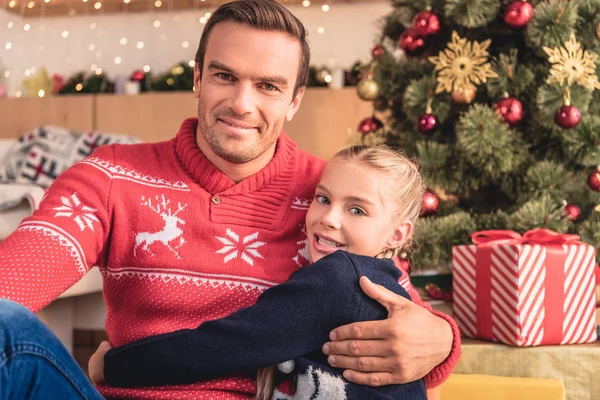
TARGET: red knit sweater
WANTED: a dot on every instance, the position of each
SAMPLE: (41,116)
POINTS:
(177,242)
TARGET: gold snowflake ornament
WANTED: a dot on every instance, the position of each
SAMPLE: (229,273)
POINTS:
(574,64)
(463,64)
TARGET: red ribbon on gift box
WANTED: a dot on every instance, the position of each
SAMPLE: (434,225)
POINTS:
(554,263)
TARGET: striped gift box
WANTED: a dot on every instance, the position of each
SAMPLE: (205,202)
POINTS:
(525,291)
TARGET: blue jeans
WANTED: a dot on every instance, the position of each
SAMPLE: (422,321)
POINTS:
(33,362)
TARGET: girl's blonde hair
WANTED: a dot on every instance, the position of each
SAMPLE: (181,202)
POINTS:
(405,190)
(405,184)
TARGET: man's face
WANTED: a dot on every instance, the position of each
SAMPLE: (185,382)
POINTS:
(246,91)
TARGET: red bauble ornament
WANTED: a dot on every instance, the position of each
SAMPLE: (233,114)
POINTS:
(572,211)
(510,109)
(430,204)
(378,51)
(138,76)
(518,13)
(594,180)
(412,42)
(567,117)
(426,23)
(369,124)
(427,123)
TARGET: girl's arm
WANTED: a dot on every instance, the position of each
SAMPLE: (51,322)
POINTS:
(288,320)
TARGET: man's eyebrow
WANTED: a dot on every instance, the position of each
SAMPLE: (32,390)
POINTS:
(214,64)
(278,80)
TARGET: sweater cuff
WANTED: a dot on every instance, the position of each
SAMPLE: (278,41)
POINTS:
(440,373)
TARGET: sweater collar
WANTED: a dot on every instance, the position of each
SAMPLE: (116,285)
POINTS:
(214,180)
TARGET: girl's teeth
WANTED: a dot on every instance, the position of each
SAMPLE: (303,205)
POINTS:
(328,243)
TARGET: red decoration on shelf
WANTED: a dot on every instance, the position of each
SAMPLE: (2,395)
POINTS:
(378,51)
(369,124)
(567,117)
(427,123)
(594,180)
(510,109)
(430,204)
(518,13)
(572,211)
(426,23)
(138,76)
(59,82)
(412,42)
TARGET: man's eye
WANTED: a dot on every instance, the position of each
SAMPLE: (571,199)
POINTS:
(224,76)
(269,87)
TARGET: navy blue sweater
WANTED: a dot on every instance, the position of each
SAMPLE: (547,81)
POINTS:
(290,321)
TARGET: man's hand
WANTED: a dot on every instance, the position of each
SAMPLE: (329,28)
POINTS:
(400,349)
(96,364)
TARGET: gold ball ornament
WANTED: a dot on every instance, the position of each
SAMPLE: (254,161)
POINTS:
(368,89)
(463,95)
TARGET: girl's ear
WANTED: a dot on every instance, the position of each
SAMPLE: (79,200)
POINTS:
(401,232)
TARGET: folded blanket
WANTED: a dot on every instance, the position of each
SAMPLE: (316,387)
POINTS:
(41,155)
(17,201)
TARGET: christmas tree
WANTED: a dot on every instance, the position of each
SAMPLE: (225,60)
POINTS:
(500,102)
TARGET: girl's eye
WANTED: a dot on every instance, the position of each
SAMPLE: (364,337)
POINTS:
(357,211)
(321,199)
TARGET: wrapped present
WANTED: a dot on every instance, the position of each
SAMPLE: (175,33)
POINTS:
(533,290)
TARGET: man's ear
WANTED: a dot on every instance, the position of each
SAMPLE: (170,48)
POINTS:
(401,232)
(197,80)
(295,104)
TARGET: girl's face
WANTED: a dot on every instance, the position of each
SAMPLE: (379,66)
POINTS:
(351,211)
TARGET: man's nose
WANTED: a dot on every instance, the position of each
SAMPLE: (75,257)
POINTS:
(244,100)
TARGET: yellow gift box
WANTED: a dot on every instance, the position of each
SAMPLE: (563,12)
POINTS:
(477,387)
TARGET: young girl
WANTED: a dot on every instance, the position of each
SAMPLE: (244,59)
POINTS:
(363,213)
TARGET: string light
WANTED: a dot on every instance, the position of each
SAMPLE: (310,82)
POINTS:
(99,71)
(185,44)
(41,93)
(140,45)
(65,34)
(123,41)
(98,5)
(306,3)
(85,1)
(8,46)
(33,70)
(126,1)
(93,67)
(46,1)
(321,30)
(19,93)
(92,47)
(118,60)
(78,87)
(6,74)
(325,8)
(192,63)
(202,20)
(30,5)
(12,4)
(93,26)
(11,24)
(156,24)
(26,27)
(157,3)
(327,78)
(146,68)
(27,72)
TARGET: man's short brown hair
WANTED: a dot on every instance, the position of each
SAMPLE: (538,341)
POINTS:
(267,15)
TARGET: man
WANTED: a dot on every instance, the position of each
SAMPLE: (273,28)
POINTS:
(195,228)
